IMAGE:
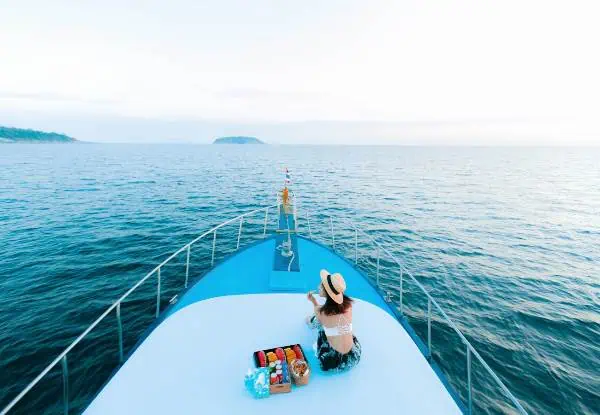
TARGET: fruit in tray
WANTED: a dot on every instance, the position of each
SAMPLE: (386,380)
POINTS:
(289,354)
(299,367)
(298,352)
(262,359)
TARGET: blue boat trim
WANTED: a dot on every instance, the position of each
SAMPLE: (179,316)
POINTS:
(253,278)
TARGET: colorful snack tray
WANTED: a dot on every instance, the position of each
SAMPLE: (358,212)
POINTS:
(277,362)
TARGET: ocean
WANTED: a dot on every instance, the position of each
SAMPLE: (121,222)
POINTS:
(506,239)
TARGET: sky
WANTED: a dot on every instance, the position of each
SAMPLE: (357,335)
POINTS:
(355,72)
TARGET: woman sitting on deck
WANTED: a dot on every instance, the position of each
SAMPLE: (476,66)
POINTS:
(337,348)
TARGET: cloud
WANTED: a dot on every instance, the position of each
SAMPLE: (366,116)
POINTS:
(255,93)
(50,97)
(419,71)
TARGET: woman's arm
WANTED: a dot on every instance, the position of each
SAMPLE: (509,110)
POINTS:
(316,306)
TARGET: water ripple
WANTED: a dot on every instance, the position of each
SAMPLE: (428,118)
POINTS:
(508,240)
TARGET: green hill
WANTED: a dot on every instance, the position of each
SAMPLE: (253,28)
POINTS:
(238,140)
(20,135)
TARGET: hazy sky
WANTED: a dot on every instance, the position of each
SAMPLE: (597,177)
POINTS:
(402,71)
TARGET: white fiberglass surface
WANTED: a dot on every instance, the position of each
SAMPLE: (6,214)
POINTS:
(195,362)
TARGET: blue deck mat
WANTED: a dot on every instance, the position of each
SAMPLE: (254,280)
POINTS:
(284,263)
(286,217)
(280,262)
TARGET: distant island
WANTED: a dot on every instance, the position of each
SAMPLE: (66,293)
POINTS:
(238,140)
(20,135)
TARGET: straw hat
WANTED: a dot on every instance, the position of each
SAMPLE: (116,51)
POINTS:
(334,284)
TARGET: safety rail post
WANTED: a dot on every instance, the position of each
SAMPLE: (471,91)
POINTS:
(308,223)
(120,332)
(429,326)
(295,213)
(158,295)
(65,373)
(378,254)
(332,235)
(266,217)
(187,266)
(212,260)
(469,384)
(355,246)
(401,290)
(240,233)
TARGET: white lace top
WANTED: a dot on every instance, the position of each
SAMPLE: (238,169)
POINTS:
(343,327)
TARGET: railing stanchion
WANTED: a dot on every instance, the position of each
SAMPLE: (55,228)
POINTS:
(65,373)
(469,384)
(158,295)
(355,246)
(295,214)
(120,331)
(401,291)
(212,260)
(429,325)
(308,223)
(378,254)
(265,228)
(240,233)
(187,266)
(332,235)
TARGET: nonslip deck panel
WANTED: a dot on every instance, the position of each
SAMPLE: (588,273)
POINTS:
(286,258)
(195,361)
(282,262)
(286,218)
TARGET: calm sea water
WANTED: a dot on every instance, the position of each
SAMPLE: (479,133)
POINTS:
(507,239)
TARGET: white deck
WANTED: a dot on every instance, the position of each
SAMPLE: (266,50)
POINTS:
(195,362)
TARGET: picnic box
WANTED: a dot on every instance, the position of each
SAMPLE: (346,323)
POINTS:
(281,387)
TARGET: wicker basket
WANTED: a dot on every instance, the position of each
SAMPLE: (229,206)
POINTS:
(300,379)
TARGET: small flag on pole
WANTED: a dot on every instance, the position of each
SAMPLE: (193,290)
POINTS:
(288,178)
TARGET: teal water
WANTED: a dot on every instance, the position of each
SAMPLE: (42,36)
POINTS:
(507,239)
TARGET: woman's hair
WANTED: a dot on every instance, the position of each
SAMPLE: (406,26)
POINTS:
(331,308)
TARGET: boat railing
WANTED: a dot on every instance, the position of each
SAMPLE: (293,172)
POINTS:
(381,250)
(403,273)
(62,358)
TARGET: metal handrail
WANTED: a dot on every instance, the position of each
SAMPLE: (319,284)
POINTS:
(62,357)
(430,301)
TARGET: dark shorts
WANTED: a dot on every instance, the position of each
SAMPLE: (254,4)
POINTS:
(332,360)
